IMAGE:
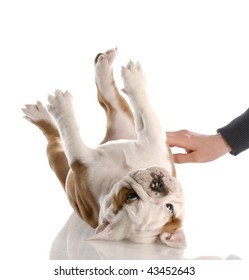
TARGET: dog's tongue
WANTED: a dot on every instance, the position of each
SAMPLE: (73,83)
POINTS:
(101,227)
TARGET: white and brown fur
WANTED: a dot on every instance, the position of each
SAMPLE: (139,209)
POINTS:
(114,186)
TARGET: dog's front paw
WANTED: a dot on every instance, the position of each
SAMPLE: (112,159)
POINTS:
(133,77)
(60,104)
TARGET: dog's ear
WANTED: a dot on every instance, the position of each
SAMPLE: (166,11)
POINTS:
(106,231)
(175,240)
(172,234)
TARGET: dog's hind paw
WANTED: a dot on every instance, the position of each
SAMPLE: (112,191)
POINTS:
(103,67)
(37,112)
(108,55)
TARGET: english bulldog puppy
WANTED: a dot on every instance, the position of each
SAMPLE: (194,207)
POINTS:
(126,187)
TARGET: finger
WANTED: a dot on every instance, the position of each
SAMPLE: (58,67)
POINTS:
(174,140)
(183,158)
(179,132)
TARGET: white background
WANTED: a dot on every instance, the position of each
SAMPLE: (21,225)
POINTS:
(195,55)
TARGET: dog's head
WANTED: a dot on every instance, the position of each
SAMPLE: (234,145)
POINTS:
(142,206)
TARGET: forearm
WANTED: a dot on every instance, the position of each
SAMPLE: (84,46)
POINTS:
(236,133)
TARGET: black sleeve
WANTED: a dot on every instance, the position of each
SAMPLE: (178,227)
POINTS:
(236,133)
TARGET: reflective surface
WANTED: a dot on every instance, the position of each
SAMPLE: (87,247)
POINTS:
(71,244)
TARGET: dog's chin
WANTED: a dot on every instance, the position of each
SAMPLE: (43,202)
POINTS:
(117,231)
(126,225)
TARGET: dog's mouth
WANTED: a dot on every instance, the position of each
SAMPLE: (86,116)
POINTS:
(102,226)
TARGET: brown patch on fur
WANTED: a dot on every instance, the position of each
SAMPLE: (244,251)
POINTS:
(55,152)
(121,198)
(110,116)
(123,103)
(47,128)
(172,225)
(57,159)
(112,111)
(80,196)
(171,159)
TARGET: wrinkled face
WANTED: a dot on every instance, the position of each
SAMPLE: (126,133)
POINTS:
(144,205)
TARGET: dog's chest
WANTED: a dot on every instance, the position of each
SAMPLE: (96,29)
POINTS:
(116,159)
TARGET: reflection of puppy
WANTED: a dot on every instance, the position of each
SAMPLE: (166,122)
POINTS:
(126,189)
(71,244)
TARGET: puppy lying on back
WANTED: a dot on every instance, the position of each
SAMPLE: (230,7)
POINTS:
(126,189)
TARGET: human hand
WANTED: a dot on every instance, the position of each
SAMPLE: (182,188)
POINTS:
(199,147)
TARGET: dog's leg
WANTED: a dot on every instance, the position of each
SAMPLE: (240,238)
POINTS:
(120,123)
(61,108)
(39,116)
(78,155)
(147,123)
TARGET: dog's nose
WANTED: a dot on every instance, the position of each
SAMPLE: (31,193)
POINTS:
(157,183)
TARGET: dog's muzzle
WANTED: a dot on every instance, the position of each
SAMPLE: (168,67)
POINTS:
(155,181)
(157,184)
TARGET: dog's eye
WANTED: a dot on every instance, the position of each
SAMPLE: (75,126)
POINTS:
(170,207)
(132,196)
